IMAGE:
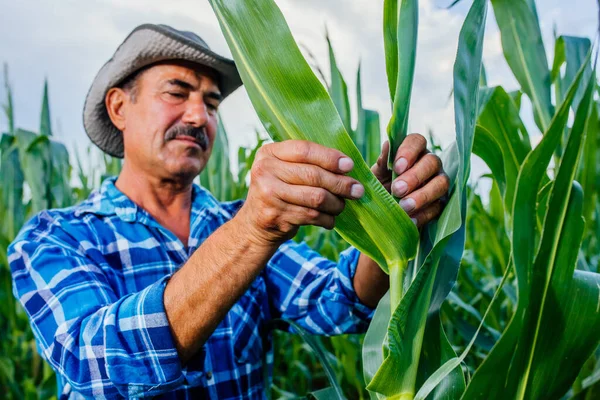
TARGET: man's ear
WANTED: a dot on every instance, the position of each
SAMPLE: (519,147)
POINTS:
(116,101)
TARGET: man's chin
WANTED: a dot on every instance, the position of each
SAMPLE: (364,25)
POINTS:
(186,171)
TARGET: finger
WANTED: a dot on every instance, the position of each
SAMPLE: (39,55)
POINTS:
(305,152)
(312,197)
(380,168)
(298,215)
(312,175)
(427,214)
(433,191)
(413,146)
(429,165)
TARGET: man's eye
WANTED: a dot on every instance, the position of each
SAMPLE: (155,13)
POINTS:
(177,95)
(212,107)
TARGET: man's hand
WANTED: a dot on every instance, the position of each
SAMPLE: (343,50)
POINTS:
(296,183)
(421,183)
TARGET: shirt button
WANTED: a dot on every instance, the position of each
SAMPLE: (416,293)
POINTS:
(209,375)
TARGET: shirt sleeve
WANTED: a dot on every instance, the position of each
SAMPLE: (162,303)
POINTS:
(100,344)
(315,292)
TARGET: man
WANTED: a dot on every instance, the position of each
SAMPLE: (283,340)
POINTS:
(151,287)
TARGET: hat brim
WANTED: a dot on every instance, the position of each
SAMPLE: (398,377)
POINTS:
(146,45)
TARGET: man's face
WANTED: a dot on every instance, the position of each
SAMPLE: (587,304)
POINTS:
(170,120)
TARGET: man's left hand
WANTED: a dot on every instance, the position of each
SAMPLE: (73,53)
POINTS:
(421,184)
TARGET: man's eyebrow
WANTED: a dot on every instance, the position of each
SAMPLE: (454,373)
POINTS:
(214,95)
(188,86)
(181,84)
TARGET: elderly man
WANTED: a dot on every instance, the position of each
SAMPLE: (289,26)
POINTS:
(151,287)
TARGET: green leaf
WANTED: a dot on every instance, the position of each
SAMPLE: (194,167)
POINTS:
(372,129)
(483,77)
(11,187)
(217,177)
(368,131)
(8,107)
(34,156)
(524,51)
(400,41)
(324,394)
(315,346)
(452,364)
(45,120)
(590,168)
(60,188)
(442,243)
(516,95)
(511,369)
(487,148)
(46,169)
(292,104)
(571,51)
(507,138)
(338,90)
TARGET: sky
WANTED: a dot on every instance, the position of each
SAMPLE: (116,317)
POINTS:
(67,41)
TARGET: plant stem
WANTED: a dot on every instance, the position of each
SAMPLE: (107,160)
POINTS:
(397,272)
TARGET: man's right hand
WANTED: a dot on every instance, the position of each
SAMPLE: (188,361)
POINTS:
(296,183)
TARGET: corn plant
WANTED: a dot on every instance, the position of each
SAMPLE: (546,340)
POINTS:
(287,112)
(35,174)
(406,351)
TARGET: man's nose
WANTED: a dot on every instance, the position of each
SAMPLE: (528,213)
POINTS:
(196,113)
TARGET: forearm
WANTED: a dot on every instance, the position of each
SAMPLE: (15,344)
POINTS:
(200,294)
(370,282)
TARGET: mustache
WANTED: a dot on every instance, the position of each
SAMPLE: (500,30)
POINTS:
(198,133)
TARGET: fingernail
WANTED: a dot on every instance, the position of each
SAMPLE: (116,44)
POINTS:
(401,165)
(400,188)
(407,204)
(345,164)
(414,220)
(357,190)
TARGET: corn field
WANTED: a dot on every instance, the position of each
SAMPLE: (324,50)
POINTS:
(498,299)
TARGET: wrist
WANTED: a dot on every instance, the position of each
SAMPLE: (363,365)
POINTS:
(249,231)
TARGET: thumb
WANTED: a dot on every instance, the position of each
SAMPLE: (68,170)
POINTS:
(380,168)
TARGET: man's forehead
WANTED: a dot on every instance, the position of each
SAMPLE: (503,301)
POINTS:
(167,71)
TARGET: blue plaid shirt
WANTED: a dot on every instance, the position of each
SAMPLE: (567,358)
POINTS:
(91,279)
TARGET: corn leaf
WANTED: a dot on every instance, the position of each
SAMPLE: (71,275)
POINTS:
(452,364)
(372,132)
(545,279)
(487,148)
(590,169)
(483,77)
(60,172)
(338,90)
(524,51)
(571,51)
(8,107)
(292,104)
(368,131)
(406,358)
(517,95)
(217,177)
(11,187)
(555,262)
(46,168)
(34,159)
(314,345)
(45,120)
(504,130)
(400,23)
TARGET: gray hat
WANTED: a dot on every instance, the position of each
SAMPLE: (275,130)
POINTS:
(145,45)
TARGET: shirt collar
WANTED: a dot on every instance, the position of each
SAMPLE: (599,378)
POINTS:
(109,200)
